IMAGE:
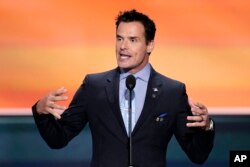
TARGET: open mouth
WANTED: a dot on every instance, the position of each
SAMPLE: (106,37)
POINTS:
(124,56)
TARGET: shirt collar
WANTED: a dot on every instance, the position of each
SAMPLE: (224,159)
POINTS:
(142,74)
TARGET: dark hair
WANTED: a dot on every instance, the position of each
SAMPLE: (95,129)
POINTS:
(133,15)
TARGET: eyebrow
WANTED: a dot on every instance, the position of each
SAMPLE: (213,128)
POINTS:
(118,36)
(130,37)
(133,37)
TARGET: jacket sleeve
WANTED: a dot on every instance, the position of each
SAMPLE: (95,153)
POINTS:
(57,133)
(196,143)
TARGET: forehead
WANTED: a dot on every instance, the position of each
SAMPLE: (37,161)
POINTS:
(134,28)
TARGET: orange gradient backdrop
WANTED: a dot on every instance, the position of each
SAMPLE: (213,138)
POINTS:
(46,44)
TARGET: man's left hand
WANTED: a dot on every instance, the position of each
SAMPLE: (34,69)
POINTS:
(200,116)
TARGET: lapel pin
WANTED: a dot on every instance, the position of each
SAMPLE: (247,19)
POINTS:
(155,90)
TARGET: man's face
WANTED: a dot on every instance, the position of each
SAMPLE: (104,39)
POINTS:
(131,48)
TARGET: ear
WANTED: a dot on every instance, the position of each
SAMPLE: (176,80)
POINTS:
(150,47)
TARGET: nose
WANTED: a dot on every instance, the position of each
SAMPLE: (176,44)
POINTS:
(124,44)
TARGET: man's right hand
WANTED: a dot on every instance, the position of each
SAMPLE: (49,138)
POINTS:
(47,105)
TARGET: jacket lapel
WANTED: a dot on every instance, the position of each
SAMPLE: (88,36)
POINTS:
(112,93)
(152,94)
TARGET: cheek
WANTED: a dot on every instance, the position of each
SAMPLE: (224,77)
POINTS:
(140,54)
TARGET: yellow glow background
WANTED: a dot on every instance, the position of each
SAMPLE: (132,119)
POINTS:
(46,44)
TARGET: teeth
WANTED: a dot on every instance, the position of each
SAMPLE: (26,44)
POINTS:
(124,56)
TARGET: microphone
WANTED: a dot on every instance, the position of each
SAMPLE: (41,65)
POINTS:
(130,84)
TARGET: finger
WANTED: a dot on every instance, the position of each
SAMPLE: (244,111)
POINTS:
(196,111)
(195,118)
(193,106)
(58,107)
(201,106)
(198,121)
(59,111)
(49,104)
(52,104)
(196,104)
(202,109)
(54,113)
(196,124)
(59,91)
(58,98)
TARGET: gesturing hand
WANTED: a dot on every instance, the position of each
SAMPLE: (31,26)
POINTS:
(47,105)
(200,116)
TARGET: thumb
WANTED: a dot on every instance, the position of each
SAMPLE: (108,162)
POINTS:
(191,102)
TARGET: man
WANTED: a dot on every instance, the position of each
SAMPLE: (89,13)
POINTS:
(160,107)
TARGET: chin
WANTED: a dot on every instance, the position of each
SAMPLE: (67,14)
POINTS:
(125,68)
(123,65)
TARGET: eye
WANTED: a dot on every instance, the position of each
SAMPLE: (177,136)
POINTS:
(118,38)
(133,40)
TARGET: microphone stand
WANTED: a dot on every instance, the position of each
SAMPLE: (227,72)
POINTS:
(130,129)
(130,84)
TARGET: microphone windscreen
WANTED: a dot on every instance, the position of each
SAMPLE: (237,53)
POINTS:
(130,82)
